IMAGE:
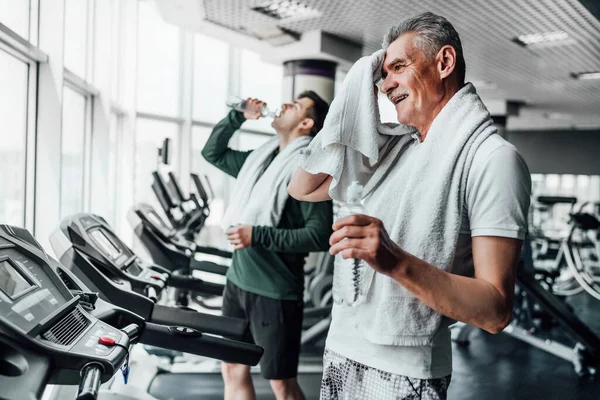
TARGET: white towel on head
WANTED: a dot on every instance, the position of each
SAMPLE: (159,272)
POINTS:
(261,192)
(354,141)
(420,205)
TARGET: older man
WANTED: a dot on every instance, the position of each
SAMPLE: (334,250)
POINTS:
(443,231)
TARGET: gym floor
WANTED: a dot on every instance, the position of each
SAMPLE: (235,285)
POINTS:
(491,367)
(501,367)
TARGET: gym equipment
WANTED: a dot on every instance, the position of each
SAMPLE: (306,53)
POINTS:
(168,247)
(54,330)
(177,379)
(186,216)
(87,246)
(536,312)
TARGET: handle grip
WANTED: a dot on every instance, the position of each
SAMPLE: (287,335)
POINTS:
(89,386)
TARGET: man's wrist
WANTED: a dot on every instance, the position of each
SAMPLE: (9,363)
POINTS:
(254,238)
(400,270)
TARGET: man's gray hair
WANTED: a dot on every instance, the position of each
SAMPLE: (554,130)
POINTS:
(432,33)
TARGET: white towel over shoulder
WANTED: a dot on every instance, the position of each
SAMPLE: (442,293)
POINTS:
(354,142)
(261,192)
(420,205)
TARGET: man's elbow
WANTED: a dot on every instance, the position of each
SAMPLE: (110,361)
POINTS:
(207,155)
(296,192)
(499,323)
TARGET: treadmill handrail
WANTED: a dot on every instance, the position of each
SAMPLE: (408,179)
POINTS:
(177,187)
(212,324)
(205,345)
(213,251)
(162,186)
(551,200)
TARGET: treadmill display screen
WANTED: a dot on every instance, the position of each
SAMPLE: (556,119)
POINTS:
(11,281)
(109,248)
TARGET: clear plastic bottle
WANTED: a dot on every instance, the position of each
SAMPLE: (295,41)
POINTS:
(239,104)
(350,275)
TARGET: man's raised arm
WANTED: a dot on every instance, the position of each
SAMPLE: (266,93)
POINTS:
(308,187)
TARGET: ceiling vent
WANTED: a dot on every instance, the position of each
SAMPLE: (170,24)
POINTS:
(541,40)
(287,10)
(586,75)
(274,35)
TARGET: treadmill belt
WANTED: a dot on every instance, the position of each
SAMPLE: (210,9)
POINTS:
(209,386)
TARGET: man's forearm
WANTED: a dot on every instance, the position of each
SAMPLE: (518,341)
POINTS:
(299,240)
(470,300)
(305,186)
(216,150)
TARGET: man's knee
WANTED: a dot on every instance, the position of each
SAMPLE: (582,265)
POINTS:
(235,372)
(283,387)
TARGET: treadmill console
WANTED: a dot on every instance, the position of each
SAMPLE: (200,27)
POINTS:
(41,319)
(92,237)
(28,294)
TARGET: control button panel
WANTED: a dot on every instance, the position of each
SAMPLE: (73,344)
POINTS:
(89,344)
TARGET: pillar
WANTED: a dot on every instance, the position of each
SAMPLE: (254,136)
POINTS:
(315,75)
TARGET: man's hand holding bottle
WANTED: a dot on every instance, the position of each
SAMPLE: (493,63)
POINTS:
(253,108)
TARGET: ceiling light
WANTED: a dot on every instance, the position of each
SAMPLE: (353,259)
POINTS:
(543,39)
(286,9)
(557,116)
(586,75)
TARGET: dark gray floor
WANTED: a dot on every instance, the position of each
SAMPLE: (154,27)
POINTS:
(491,367)
(500,367)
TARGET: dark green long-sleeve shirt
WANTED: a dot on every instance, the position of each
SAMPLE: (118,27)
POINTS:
(274,264)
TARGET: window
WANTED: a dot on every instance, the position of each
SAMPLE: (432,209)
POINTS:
(105,51)
(148,138)
(15,15)
(263,81)
(13,114)
(221,183)
(159,63)
(72,151)
(556,220)
(114,135)
(76,22)
(211,77)
(219,180)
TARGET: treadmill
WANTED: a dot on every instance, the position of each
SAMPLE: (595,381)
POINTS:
(54,330)
(185,215)
(170,249)
(204,190)
(86,245)
(100,272)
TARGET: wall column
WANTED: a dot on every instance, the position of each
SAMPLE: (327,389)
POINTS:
(301,75)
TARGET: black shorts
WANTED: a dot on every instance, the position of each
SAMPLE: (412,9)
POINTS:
(275,325)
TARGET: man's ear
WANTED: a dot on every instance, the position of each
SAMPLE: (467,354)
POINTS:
(307,123)
(446,61)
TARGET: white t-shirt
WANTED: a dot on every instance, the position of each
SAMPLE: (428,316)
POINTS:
(496,204)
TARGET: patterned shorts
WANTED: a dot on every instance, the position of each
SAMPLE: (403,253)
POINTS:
(344,379)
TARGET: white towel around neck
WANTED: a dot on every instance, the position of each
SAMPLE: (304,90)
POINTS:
(420,205)
(261,192)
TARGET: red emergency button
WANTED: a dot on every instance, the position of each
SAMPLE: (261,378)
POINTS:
(106,340)
(154,276)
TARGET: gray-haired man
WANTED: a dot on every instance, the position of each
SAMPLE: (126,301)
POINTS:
(444,247)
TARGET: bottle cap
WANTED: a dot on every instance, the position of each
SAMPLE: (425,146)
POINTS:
(355,190)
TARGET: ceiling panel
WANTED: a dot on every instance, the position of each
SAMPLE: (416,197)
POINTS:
(539,77)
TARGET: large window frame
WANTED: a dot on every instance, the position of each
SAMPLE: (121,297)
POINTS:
(21,49)
(90,93)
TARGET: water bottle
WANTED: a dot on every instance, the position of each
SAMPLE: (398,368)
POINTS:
(239,104)
(350,276)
